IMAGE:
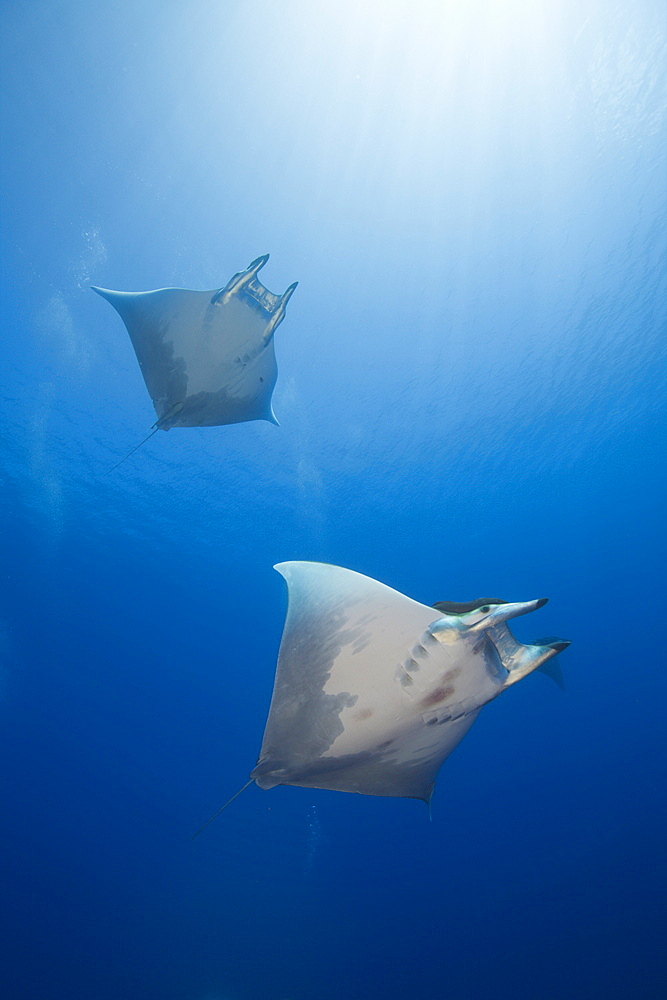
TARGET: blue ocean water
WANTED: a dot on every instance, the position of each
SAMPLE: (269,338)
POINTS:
(471,400)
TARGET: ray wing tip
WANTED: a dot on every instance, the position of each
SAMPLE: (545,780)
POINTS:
(106,293)
(289,564)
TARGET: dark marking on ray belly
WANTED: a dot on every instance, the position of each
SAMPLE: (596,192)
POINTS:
(363,713)
(452,674)
(436,696)
(387,743)
(364,620)
(360,644)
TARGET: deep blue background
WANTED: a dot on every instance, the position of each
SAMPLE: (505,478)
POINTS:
(472,197)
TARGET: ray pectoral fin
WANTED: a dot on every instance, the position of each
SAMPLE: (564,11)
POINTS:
(107,293)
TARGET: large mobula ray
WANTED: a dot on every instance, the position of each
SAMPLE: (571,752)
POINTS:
(374,690)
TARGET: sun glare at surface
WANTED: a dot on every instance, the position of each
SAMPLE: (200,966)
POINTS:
(398,98)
